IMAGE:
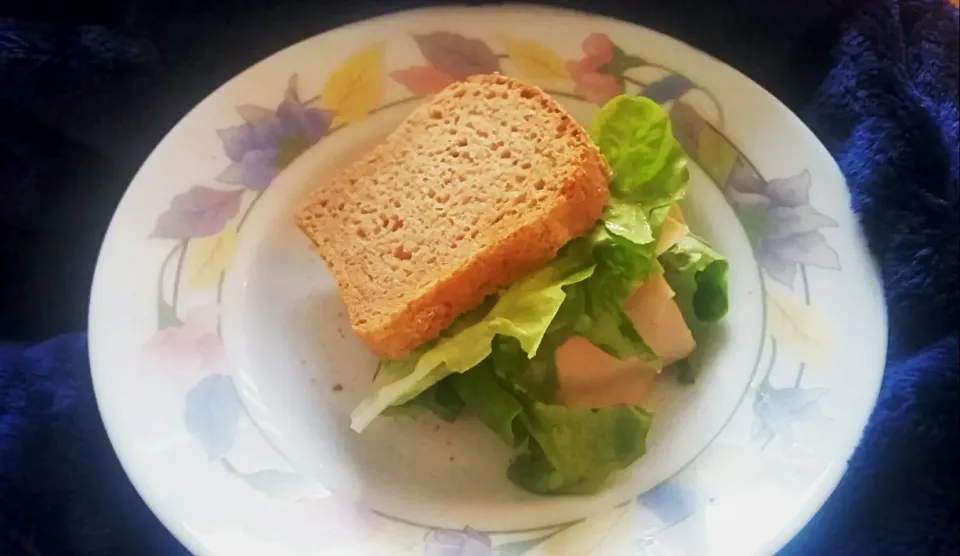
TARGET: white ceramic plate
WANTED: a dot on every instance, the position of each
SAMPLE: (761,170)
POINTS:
(225,369)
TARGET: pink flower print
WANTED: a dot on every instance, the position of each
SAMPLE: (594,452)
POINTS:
(588,73)
(193,347)
(598,47)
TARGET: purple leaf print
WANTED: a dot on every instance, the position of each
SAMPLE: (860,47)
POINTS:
(744,178)
(253,114)
(254,170)
(456,55)
(783,228)
(671,502)
(790,192)
(790,221)
(269,141)
(200,211)
(445,542)
(250,136)
(669,88)
(776,410)
(213,409)
(777,267)
(809,248)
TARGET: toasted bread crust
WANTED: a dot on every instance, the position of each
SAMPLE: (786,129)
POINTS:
(439,252)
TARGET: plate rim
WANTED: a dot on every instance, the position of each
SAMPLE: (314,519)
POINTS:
(179,530)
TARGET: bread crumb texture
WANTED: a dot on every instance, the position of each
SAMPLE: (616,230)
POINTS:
(478,186)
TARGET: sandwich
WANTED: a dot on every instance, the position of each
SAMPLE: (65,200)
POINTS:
(505,262)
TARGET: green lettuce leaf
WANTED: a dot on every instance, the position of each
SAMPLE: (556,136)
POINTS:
(649,176)
(698,275)
(594,308)
(535,378)
(628,220)
(493,404)
(524,311)
(575,450)
(636,137)
(620,266)
(614,333)
(564,450)
(441,399)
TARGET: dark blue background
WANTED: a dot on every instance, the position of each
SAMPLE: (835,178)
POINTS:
(87,90)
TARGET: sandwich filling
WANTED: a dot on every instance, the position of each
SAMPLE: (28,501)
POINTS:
(559,363)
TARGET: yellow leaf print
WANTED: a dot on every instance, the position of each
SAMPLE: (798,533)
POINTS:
(715,155)
(356,87)
(801,331)
(209,257)
(534,60)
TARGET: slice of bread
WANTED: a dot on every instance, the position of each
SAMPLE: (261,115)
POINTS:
(477,187)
